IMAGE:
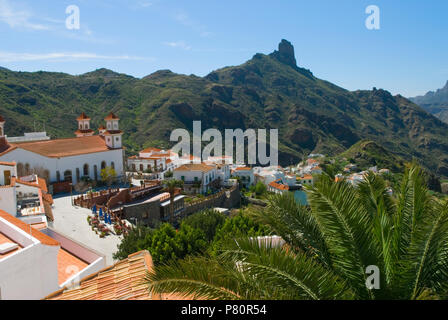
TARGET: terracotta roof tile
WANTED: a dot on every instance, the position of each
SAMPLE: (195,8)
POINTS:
(111,116)
(122,281)
(195,167)
(43,238)
(83,116)
(60,148)
(10,164)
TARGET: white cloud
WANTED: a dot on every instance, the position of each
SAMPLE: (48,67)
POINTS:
(14,57)
(178,44)
(18,18)
(184,19)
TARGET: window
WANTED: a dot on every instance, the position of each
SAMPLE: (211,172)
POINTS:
(182,178)
(95,172)
(141,167)
(103,165)
(117,139)
(77,174)
(58,176)
(112,164)
(86,170)
(68,176)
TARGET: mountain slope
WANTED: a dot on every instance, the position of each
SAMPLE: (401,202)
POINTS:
(435,103)
(268,91)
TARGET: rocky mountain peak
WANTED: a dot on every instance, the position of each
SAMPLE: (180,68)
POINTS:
(285,53)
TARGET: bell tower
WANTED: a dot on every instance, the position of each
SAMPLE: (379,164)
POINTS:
(2,127)
(83,126)
(113,134)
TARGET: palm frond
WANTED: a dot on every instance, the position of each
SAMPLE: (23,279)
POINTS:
(347,230)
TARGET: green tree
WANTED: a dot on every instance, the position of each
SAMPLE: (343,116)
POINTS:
(330,245)
(240,225)
(138,238)
(164,243)
(260,188)
(108,175)
(209,221)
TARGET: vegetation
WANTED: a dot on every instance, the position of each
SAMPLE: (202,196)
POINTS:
(268,91)
(171,187)
(108,176)
(329,248)
(199,233)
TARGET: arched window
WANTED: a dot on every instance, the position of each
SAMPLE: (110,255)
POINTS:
(112,164)
(80,126)
(20,169)
(68,176)
(86,126)
(27,169)
(86,170)
(141,167)
(58,176)
(78,175)
(133,167)
(103,165)
(95,172)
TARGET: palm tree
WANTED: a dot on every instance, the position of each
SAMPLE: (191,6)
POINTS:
(171,186)
(330,245)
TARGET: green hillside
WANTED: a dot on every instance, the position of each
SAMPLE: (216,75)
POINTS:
(268,91)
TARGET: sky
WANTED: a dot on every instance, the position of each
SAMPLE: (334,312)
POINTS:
(407,55)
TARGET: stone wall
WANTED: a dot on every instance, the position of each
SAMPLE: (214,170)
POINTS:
(224,199)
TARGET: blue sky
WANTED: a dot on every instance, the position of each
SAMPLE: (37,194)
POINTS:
(408,55)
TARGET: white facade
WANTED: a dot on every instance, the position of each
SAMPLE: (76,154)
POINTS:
(54,165)
(31,273)
(192,174)
(246,175)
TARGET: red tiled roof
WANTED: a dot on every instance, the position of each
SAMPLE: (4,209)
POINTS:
(11,164)
(148,150)
(83,117)
(195,167)
(243,169)
(111,116)
(278,186)
(307,177)
(122,281)
(43,238)
(2,119)
(60,148)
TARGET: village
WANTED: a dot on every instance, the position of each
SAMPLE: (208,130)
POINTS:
(66,204)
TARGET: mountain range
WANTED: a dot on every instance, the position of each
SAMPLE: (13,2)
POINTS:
(268,91)
(435,102)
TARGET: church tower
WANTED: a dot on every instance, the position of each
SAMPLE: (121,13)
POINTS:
(2,127)
(83,126)
(113,133)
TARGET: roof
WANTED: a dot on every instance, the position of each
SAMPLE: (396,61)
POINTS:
(306,177)
(149,150)
(83,116)
(40,183)
(43,238)
(10,164)
(122,281)
(195,167)
(275,184)
(102,127)
(111,116)
(5,147)
(60,148)
(2,119)
(243,169)
(66,263)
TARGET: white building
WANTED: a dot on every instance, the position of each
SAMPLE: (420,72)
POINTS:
(196,177)
(152,159)
(246,176)
(34,263)
(68,159)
